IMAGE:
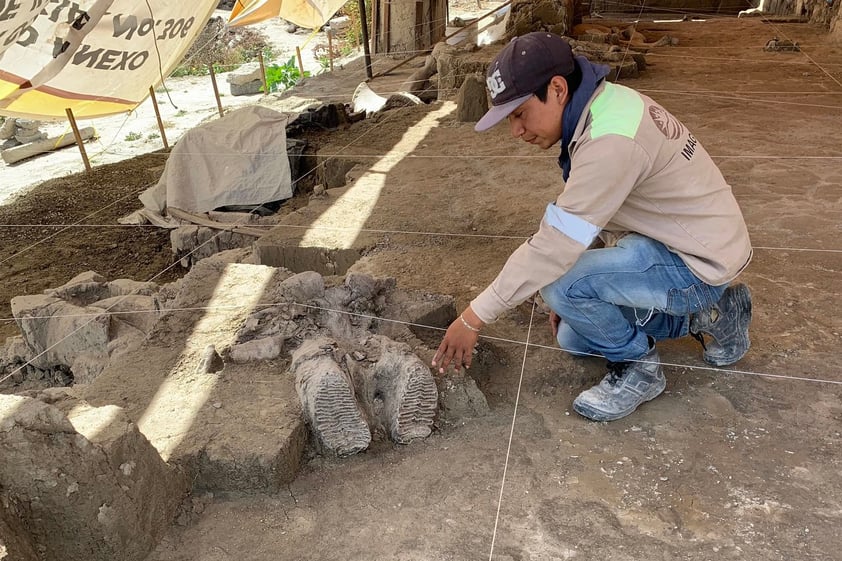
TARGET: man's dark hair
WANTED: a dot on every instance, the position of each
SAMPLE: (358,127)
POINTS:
(573,81)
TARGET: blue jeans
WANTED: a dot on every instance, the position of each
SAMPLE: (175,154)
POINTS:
(612,299)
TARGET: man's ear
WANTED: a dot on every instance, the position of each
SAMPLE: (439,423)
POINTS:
(558,89)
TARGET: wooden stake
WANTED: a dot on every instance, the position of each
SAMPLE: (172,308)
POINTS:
(158,116)
(366,47)
(300,62)
(376,27)
(215,89)
(78,138)
(330,47)
(263,74)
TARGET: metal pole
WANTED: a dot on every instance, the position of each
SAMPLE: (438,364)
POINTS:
(364,29)
(78,138)
(158,116)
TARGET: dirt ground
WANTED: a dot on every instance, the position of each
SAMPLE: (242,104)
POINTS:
(728,464)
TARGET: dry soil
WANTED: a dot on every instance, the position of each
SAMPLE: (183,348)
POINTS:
(737,463)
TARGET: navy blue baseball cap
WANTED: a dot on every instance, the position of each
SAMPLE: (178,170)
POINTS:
(524,65)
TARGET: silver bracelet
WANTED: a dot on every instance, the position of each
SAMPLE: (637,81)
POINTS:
(468,325)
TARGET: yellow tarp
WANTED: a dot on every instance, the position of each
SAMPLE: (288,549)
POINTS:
(310,14)
(96,57)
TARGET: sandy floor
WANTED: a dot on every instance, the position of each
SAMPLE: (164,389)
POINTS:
(727,464)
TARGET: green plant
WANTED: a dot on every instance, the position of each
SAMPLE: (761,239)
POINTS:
(283,76)
(353,33)
(152,136)
(132,136)
(322,53)
(224,48)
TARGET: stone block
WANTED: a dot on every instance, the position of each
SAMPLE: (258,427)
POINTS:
(249,88)
(58,332)
(246,73)
(471,101)
(91,487)
(246,80)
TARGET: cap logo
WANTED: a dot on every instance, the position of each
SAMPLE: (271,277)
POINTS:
(495,83)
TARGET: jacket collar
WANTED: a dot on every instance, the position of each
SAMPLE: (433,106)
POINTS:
(592,78)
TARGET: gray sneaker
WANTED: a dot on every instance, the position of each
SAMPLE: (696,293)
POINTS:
(624,388)
(726,324)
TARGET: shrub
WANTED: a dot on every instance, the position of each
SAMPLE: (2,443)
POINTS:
(223,47)
(283,76)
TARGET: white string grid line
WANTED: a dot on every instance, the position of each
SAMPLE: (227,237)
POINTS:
(511,432)
(473,156)
(235,224)
(491,338)
(107,149)
(734,96)
(385,59)
(175,263)
(526,346)
(314,169)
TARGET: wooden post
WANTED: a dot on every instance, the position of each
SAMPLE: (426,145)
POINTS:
(300,62)
(445,38)
(263,74)
(330,47)
(158,116)
(78,138)
(215,89)
(364,29)
(376,26)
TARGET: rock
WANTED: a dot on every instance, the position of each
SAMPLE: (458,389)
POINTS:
(93,486)
(781,45)
(624,70)
(453,65)
(211,361)
(339,23)
(141,312)
(246,80)
(27,137)
(122,287)
(82,290)
(27,124)
(472,100)
(267,348)
(334,170)
(319,192)
(58,332)
(303,287)
(555,16)
(461,399)
(249,88)
(7,129)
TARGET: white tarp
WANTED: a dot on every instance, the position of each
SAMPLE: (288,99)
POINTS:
(96,57)
(240,159)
